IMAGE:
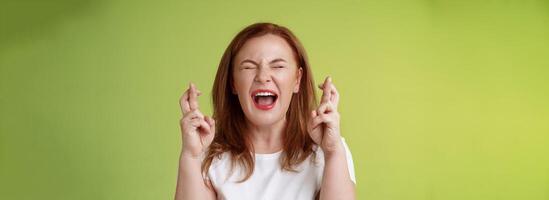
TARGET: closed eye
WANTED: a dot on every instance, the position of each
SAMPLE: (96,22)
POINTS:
(248,67)
(279,67)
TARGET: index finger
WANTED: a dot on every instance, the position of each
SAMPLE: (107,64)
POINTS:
(335,95)
(193,103)
(184,102)
(326,93)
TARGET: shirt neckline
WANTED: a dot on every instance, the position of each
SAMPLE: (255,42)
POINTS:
(262,156)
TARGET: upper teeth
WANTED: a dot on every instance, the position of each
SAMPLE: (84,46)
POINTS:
(264,94)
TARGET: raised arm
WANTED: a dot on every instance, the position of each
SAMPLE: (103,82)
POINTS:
(324,130)
(197,133)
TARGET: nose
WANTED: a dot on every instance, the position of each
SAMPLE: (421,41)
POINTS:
(263,75)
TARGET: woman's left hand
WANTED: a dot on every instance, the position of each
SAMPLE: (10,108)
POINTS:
(323,126)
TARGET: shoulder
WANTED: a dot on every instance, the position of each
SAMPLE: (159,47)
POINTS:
(220,160)
(218,169)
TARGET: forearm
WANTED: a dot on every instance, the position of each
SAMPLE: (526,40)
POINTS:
(336,182)
(190,184)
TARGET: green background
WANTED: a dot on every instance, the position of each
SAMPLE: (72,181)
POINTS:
(440,100)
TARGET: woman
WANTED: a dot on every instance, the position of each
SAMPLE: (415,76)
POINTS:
(269,140)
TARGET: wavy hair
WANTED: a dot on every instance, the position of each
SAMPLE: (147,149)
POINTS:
(230,119)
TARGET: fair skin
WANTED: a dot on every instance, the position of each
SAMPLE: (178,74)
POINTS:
(265,62)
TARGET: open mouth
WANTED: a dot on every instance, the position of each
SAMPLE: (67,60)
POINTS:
(264,99)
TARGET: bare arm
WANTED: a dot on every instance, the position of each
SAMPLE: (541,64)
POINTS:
(336,182)
(323,128)
(190,184)
(197,133)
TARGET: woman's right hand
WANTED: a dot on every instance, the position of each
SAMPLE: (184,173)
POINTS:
(197,130)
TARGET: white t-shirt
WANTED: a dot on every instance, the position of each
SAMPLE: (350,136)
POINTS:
(268,181)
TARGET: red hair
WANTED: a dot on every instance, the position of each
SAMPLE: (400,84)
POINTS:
(230,119)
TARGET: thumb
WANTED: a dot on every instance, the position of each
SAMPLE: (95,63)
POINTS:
(204,126)
(211,123)
(314,129)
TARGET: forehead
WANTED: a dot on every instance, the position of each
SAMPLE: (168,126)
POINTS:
(267,47)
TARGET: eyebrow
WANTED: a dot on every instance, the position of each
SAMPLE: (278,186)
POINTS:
(253,62)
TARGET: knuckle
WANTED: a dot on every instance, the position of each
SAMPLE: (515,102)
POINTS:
(199,114)
(322,118)
(196,112)
(191,120)
(194,122)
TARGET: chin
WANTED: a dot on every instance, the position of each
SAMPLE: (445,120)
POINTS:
(264,120)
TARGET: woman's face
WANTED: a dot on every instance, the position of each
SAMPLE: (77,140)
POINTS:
(265,75)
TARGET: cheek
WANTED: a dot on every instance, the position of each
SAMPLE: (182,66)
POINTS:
(286,84)
(241,83)
(288,78)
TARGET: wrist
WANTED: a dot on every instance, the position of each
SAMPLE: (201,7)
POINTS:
(190,155)
(334,151)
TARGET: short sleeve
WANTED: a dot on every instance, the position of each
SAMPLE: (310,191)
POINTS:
(349,158)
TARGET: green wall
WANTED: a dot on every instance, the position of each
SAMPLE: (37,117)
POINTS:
(440,100)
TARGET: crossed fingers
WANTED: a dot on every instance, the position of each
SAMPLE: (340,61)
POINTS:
(189,101)
(191,113)
(327,110)
(330,97)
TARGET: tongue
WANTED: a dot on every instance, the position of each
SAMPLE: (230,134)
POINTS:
(265,100)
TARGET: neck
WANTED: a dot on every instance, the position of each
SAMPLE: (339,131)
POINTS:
(268,138)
